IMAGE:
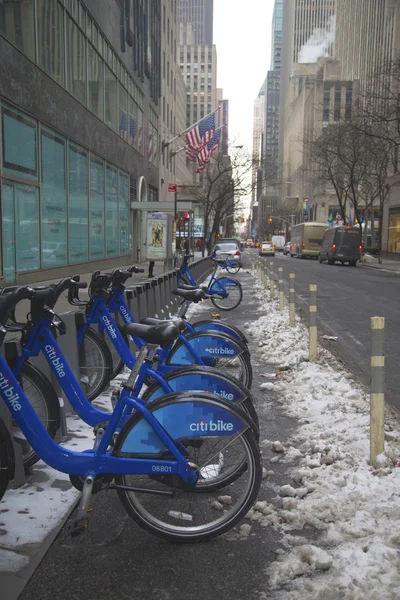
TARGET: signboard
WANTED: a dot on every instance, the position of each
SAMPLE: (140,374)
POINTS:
(156,236)
(172,187)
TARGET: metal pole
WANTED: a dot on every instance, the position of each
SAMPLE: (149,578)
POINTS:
(272,278)
(292,307)
(280,286)
(377,392)
(313,323)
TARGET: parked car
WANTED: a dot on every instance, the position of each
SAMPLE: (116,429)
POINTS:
(286,248)
(266,249)
(341,244)
(227,250)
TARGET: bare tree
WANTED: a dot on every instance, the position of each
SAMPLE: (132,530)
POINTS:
(225,182)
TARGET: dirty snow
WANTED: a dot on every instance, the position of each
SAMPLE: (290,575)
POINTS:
(353,507)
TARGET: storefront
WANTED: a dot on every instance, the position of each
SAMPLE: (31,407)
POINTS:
(394,230)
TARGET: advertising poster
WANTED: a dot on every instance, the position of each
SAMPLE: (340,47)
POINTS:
(156,236)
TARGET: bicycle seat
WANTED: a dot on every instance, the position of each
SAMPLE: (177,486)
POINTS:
(179,323)
(162,334)
(193,295)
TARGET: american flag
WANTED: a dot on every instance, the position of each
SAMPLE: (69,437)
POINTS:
(200,135)
(191,155)
(123,124)
(205,154)
(133,129)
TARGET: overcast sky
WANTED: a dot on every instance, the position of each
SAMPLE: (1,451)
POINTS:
(242,35)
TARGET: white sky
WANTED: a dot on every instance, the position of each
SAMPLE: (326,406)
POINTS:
(242,35)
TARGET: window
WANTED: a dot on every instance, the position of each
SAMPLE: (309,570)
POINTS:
(50,23)
(123,112)
(76,65)
(125,239)
(95,83)
(336,115)
(140,131)
(27,238)
(17,25)
(327,103)
(78,204)
(19,144)
(112,211)
(96,208)
(54,200)
(133,123)
(110,99)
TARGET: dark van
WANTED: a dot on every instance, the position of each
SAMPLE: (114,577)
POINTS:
(341,244)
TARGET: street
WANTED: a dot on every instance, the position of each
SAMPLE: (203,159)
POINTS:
(347,298)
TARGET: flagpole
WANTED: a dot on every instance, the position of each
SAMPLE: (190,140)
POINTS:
(166,144)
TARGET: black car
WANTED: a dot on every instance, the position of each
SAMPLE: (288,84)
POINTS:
(341,244)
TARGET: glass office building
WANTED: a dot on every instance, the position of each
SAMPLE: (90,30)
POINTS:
(78,129)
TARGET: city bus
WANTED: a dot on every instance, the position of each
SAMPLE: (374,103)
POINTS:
(305,239)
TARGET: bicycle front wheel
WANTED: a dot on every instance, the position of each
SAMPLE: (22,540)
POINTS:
(196,512)
(233,268)
(95,364)
(234,293)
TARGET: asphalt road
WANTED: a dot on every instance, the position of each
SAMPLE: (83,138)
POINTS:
(115,558)
(347,299)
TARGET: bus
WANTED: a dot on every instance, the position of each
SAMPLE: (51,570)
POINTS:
(305,239)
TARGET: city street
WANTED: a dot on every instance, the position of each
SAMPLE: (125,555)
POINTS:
(347,298)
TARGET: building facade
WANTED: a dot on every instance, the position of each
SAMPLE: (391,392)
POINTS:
(198,14)
(258,129)
(79,96)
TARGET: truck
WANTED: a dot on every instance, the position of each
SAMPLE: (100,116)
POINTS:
(279,242)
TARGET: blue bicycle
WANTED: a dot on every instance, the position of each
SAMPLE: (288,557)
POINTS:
(225,292)
(39,337)
(207,348)
(165,454)
(118,306)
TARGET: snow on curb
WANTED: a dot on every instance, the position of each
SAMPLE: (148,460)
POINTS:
(352,505)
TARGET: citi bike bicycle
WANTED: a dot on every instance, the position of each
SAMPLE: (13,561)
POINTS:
(225,292)
(38,336)
(159,461)
(207,348)
(118,306)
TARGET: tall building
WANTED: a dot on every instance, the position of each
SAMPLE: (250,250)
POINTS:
(258,128)
(307,33)
(199,15)
(172,121)
(79,96)
(276,38)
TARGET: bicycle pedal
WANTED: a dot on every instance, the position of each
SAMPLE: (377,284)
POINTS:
(79,526)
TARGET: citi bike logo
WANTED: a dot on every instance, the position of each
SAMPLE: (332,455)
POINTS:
(8,392)
(125,314)
(109,326)
(217,350)
(221,393)
(205,425)
(55,360)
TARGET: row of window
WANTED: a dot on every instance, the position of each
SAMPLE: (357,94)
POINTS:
(61,203)
(68,46)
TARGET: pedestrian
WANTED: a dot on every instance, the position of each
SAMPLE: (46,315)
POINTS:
(198,245)
(151,267)
(186,246)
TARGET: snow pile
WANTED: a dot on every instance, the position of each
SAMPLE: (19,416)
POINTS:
(351,506)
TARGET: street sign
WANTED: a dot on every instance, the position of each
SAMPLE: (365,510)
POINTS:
(172,187)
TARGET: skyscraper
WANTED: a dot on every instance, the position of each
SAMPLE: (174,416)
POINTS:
(199,14)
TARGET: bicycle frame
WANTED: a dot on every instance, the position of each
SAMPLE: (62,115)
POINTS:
(218,288)
(100,313)
(94,461)
(41,339)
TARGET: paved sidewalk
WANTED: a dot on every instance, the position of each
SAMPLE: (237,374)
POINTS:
(388,264)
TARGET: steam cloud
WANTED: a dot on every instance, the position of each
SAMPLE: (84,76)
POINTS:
(318,44)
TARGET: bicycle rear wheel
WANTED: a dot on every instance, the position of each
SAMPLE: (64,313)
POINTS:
(233,269)
(188,515)
(45,402)
(95,364)
(233,289)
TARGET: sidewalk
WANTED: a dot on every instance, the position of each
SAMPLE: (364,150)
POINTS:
(388,264)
